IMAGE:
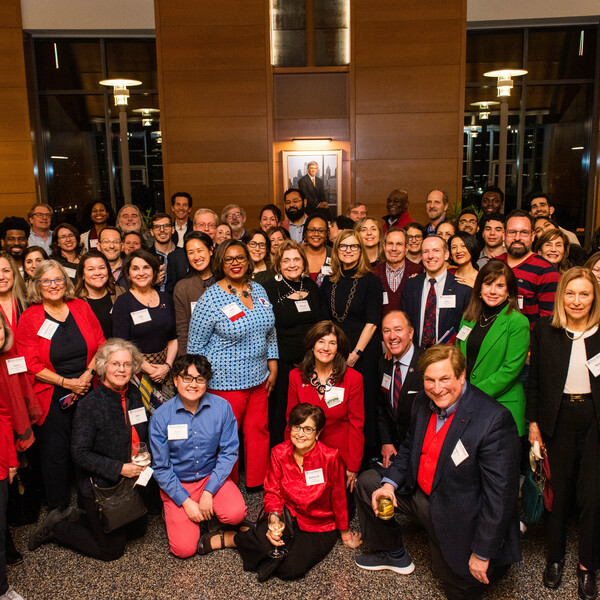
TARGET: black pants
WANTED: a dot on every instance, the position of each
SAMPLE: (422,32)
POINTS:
(305,551)
(278,404)
(87,536)
(54,437)
(573,454)
(3,503)
(387,536)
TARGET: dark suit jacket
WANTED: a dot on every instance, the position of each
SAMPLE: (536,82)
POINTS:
(548,368)
(394,427)
(473,505)
(175,236)
(313,194)
(410,269)
(448,317)
(177,267)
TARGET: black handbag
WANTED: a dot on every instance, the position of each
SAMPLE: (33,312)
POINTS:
(118,505)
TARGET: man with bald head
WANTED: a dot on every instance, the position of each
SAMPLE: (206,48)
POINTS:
(397,210)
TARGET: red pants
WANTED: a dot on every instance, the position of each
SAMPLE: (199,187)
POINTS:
(183,534)
(251,409)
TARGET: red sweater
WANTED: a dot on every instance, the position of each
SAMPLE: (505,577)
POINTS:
(36,349)
(393,298)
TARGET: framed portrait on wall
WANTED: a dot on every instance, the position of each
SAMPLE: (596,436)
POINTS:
(327,184)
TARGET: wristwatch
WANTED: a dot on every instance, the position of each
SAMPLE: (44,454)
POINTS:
(357,351)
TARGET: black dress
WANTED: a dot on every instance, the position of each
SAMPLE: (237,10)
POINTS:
(102,308)
(292,322)
(358,302)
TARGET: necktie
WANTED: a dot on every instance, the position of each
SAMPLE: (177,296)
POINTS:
(397,386)
(429,333)
(313,181)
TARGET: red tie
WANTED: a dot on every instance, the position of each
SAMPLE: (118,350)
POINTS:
(428,337)
(397,386)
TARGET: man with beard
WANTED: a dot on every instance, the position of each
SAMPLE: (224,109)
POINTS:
(536,277)
(492,232)
(295,210)
(540,205)
(14,232)
(436,206)
(397,208)
(236,217)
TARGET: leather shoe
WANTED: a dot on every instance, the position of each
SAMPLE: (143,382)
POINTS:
(553,574)
(586,584)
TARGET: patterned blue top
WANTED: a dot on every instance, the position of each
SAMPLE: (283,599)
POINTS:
(237,350)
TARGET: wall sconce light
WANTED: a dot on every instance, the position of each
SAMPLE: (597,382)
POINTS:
(505,82)
(120,89)
(484,108)
(146,114)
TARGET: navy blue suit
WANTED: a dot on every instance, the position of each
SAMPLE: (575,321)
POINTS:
(448,317)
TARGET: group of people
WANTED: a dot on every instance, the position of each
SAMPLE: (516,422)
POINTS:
(348,361)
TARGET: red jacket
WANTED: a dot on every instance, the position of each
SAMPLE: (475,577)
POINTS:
(8,454)
(344,423)
(36,349)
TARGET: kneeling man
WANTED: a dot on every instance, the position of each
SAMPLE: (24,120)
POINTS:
(194,443)
(458,473)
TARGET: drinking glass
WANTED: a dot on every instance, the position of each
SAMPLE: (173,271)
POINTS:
(140,455)
(276,523)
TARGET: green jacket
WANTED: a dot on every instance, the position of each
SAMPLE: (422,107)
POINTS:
(498,365)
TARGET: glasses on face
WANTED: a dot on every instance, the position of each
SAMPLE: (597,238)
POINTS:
(62,238)
(259,245)
(415,238)
(306,429)
(41,215)
(162,227)
(518,232)
(187,379)
(235,215)
(467,222)
(351,247)
(110,242)
(59,281)
(238,260)
(120,365)
(204,226)
(315,230)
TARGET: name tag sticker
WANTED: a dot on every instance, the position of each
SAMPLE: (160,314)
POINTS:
(314,477)
(141,316)
(459,454)
(464,332)
(447,302)
(264,302)
(386,381)
(177,432)
(334,397)
(144,477)
(302,305)
(520,302)
(593,365)
(385,298)
(48,329)
(193,305)
(93,243)
(16,365)
(326,270)
(137,415)
(71,272)
(233,312)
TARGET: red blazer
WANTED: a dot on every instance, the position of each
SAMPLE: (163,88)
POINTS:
(410,269)
(36,349)
(344,423)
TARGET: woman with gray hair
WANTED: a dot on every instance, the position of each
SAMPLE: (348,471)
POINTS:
(110,423)
(58,336)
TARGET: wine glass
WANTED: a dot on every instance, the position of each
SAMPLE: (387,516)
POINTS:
(276,522)
(140,455)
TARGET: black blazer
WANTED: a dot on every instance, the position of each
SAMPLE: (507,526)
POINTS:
(175,236)
(473,505)
(394,427)
(101,439)
(313,194)
(448,317)
(548,368)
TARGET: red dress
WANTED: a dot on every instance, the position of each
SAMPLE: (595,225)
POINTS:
(344,421)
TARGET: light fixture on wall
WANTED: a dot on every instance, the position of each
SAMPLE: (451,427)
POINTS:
(484,108)
(120,90)
(312,139)
(146,114)
(504,77)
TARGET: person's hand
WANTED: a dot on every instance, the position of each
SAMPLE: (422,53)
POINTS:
(387,451)
(386,490)
(79,386)
(388,354)
(161,274)
(270,382)
(131,470)
(192,510)
(351,539)
(206,505)
(479,568)
(323,205)
(535,434)
(274,539)
(160,373)
(351,477)
(352,358)
(12,473)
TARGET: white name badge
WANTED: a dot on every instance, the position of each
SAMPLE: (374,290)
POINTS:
(447,302)
(144,477)
(177,432)
(326,270)
(464,332)
(233,311)
(48,329)
(334,397)
(386,381)
(385,298)
(193,305)
(264,302)
(16,365)
(520,302)
(141,316)
(593,365)
(72,273)
(137,415)
(93,243)
(314,477)
(459,454)
(302,305)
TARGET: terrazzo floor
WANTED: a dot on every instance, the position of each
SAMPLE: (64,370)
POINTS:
(149,571)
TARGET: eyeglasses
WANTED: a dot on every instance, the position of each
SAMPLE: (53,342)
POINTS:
(260,245)
(518,232)
(110,242)
(467,221)
(119,365)
(230,260)
(306,429)
(41,215)
(351,247)
(415,237)
(235,215)
(315,230)
(203,226)
(162,227)
(187,379)
(62,238)
(59,281)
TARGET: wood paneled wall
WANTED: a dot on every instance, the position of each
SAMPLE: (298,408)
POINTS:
(17,182)
(214,89)
(407,88)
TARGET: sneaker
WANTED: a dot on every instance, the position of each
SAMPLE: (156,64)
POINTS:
(43,532)
(379,561)
(10,594)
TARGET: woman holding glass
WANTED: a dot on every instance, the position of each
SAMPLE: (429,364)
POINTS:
(109,430)
(563,407)
(67,248)
(259,248)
